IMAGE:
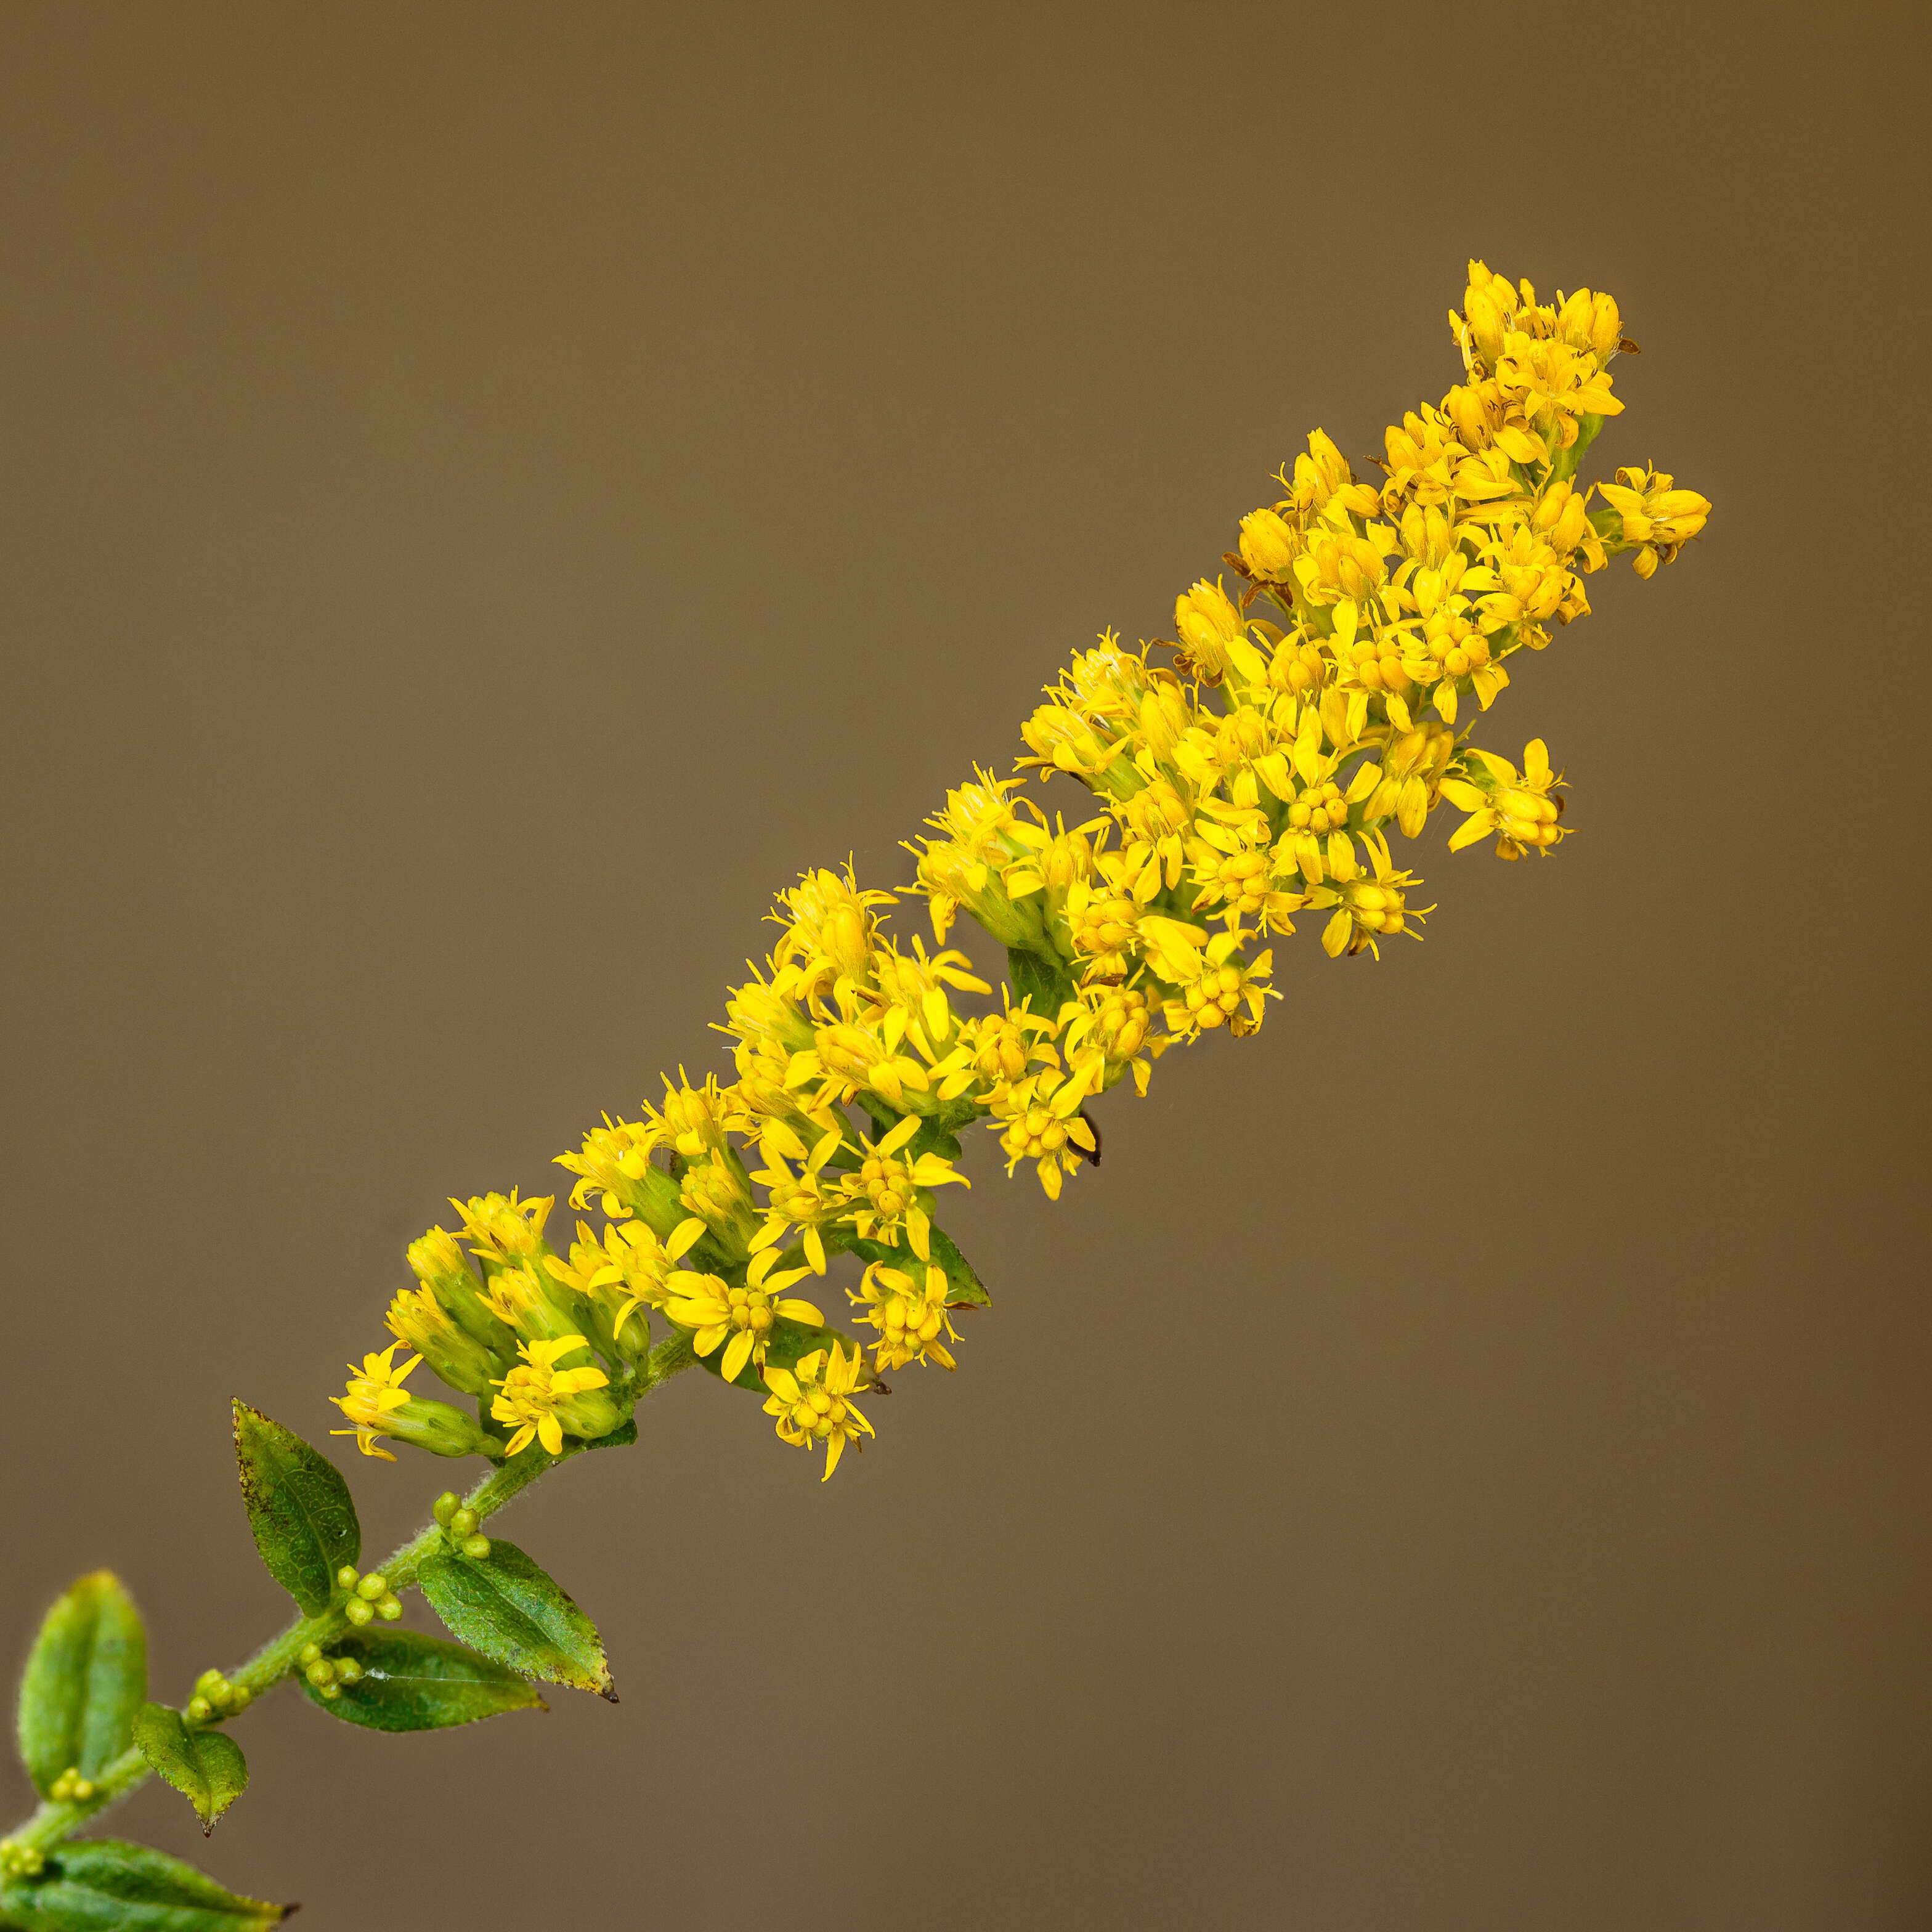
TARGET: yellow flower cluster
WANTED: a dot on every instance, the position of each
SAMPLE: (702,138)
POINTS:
(1259,774)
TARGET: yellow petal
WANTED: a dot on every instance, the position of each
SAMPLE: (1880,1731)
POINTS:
(736,1355)
(684,1237)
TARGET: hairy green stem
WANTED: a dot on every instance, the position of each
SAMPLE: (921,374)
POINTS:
(278,1658)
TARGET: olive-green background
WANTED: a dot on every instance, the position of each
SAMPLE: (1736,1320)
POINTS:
(490,493)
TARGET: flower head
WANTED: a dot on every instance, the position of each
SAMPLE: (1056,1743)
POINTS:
(544,1400)
(376,1404)
(811,1400)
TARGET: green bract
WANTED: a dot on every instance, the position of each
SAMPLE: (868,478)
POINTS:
(298,1507)
(1046,986)
(85,1680)
(504,1605)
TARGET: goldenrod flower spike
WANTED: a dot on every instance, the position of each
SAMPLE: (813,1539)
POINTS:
(1318,702)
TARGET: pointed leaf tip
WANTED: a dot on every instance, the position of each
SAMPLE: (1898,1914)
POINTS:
(206,1767)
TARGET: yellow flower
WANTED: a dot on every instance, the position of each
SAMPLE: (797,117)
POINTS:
(499,1225)
(1042,1123)
(884,1194)
(690,1123)
(1268,546)
(1234,869)
(372,1397)
(543,1400)
(812,1402)
(377,1404)
(910,1315)
(997,1048)
(1213,638)
(1368,910)
(626,1270)
(746,1315)
(1518,808)
(1219,987)
(1112,1027)
(613,1164)
(716,1196)
(1409,779)
(1654,519)
(830,931)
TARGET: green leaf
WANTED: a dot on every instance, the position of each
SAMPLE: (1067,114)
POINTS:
(411,1682)
(206,1767)
(1045,982)
(298,1507)
(105,1885)
(85,1678)
(962,1285)
(505,1606)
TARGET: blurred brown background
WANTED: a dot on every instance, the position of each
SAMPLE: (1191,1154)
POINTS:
(492,493)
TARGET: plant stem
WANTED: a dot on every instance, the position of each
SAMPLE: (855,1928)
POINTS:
(278,1658)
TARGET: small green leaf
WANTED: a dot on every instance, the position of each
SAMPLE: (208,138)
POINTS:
(206,1767)
(298,1507)
(410,1682)
(505,1606)
(105,1885)
(85,1678)
(962,1285)
(1045,983)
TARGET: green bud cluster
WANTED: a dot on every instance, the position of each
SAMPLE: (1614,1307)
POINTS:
(215,1697)
(370,1597)
(70,1788)
(19,1861)
(328,1674)
(459,1525)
